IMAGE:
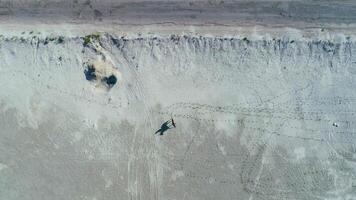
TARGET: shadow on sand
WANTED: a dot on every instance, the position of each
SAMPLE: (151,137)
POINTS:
(164,127)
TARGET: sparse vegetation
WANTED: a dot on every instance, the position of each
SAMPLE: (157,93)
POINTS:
(110,81)
(60,40)
(57,40)
(246,40)
(89,73)
(89,38)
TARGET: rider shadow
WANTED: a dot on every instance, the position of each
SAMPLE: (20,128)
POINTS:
(164,127)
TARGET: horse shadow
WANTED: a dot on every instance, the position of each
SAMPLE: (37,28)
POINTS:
(164,127)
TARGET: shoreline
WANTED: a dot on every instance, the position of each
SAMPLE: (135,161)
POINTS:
(131,32)
(295,19)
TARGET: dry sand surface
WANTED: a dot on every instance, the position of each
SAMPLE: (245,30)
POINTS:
(262,93)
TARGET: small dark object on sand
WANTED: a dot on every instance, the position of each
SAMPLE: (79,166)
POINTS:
(111,80)
(90,73)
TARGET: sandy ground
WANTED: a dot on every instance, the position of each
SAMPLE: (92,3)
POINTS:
(262,94)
